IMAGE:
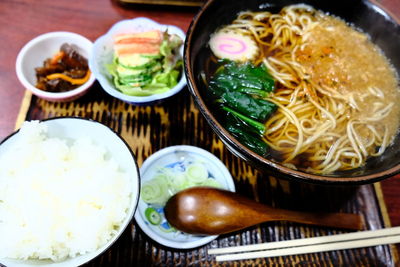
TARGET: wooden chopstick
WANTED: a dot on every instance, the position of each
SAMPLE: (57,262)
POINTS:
(310,245)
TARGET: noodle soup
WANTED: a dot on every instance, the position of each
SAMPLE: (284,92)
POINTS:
(335,92)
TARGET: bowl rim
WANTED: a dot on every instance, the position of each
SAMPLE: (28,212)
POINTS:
(243,152)
(163,152)
(134,201)
(51,95)
(111,90)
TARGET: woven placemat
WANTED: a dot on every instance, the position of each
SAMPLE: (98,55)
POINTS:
(177,121)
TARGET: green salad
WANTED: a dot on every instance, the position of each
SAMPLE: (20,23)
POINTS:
(146,63)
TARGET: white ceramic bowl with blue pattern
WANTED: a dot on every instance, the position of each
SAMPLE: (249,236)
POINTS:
(170,167)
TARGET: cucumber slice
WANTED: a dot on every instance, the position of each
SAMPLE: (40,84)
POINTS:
(138,81)
(147,65)
(133,60)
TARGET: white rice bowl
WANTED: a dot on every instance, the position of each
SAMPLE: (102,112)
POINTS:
(68,189)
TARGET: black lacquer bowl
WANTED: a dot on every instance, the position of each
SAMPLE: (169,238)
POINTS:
(384,30)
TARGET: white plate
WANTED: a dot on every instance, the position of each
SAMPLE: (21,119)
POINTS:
(168,158)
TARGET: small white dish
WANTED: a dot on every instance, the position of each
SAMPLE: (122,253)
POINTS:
(72,128)
(44,46)
(176,159)
(103,54)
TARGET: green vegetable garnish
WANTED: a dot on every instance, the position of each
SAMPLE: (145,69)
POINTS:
(247,135)
(153,216)
(197,173)
(256,108)
(156,191)
(240,90)
(166,183)
(166,228)
(255,125)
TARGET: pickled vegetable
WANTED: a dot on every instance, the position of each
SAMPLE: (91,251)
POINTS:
(65,71)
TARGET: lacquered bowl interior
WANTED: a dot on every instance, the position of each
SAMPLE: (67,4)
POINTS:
(371,18)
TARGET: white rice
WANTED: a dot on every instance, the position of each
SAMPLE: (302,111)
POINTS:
(58,198)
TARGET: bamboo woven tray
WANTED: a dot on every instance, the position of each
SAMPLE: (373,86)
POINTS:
(177,121)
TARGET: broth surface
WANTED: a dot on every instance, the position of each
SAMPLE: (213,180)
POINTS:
(336,93)
(344,59)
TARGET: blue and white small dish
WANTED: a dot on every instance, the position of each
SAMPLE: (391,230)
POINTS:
(102,55)
(176,161)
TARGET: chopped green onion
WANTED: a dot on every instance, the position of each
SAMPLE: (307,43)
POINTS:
(153,216)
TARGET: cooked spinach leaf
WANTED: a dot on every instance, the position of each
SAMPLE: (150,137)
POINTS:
(240,89)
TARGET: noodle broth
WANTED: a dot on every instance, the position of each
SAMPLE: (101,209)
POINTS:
(350,102)
(335,90)
(337,103)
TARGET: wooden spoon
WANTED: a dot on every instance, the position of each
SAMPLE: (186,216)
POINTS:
(211,211)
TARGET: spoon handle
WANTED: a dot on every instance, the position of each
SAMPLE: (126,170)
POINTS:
(249,212)
(203,210)
(336,220)
(254,213)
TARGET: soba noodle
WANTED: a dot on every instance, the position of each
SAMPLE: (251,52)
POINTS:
(335,91)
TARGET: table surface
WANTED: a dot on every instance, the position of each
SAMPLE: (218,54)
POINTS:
(22,20)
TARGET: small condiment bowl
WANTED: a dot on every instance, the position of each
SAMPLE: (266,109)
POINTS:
(175,161)
(103,55)
(44,46)
(73,128)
